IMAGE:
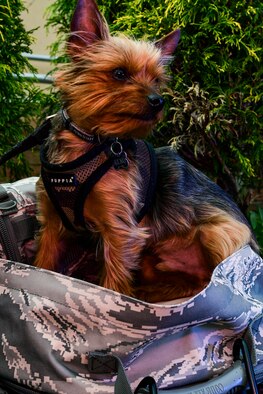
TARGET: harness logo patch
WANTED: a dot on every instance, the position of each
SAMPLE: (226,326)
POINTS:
(63,180)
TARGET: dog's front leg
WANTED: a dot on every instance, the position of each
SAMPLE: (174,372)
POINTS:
(110,207)
(49,246)
(123,245)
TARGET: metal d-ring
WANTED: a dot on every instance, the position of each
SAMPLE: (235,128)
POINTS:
(116,148)
(118,155)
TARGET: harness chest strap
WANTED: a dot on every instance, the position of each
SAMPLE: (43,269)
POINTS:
(69,184)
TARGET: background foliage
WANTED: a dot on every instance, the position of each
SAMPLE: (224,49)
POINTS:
(214,105)
(20,100)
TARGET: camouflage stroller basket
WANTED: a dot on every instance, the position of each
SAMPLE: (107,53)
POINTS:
(63,335)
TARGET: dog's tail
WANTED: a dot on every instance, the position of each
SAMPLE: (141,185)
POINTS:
(36,138)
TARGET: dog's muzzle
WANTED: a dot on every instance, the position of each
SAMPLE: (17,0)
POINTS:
(156,102)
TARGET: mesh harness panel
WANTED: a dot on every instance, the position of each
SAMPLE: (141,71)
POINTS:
(69,184)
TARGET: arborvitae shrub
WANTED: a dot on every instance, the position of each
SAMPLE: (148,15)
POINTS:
(20,100)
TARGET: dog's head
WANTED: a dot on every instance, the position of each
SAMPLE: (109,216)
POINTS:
(113,84)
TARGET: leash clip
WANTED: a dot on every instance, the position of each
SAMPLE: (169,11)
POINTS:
(120,158)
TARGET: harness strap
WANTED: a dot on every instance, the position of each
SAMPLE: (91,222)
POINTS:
(68,195)
(61,176)
(69,184)
(36,138)
(147,162)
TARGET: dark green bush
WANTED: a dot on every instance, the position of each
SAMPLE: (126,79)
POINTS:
(217,97)
(214,107)
(20,100)
(256,219)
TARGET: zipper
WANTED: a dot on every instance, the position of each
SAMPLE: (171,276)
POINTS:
(8,242)
(7,235)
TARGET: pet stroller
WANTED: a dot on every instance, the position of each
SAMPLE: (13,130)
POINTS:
(63,335)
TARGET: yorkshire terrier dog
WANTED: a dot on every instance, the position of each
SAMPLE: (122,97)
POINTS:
(159,226)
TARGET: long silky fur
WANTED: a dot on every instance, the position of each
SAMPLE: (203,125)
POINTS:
(192,225)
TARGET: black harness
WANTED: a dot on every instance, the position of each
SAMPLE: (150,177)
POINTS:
(68,184)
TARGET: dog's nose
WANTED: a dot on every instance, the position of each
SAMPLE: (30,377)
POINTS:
(156,102)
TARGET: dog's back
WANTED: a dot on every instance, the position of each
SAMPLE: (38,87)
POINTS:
(194,226)
(190,188)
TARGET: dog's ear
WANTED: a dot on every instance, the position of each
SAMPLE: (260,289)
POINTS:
(87,27)
(168,44)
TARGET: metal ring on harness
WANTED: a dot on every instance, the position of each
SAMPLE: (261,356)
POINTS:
(116,148)
(118,154)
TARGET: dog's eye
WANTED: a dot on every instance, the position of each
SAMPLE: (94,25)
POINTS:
(120,74)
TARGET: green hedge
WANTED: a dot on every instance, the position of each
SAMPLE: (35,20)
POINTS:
(20,100)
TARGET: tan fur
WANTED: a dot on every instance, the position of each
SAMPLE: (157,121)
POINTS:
(173,252)
(51,232)
(223,235)
(94,68)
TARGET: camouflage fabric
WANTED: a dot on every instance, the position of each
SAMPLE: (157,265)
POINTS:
(51,324)
(23,194)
